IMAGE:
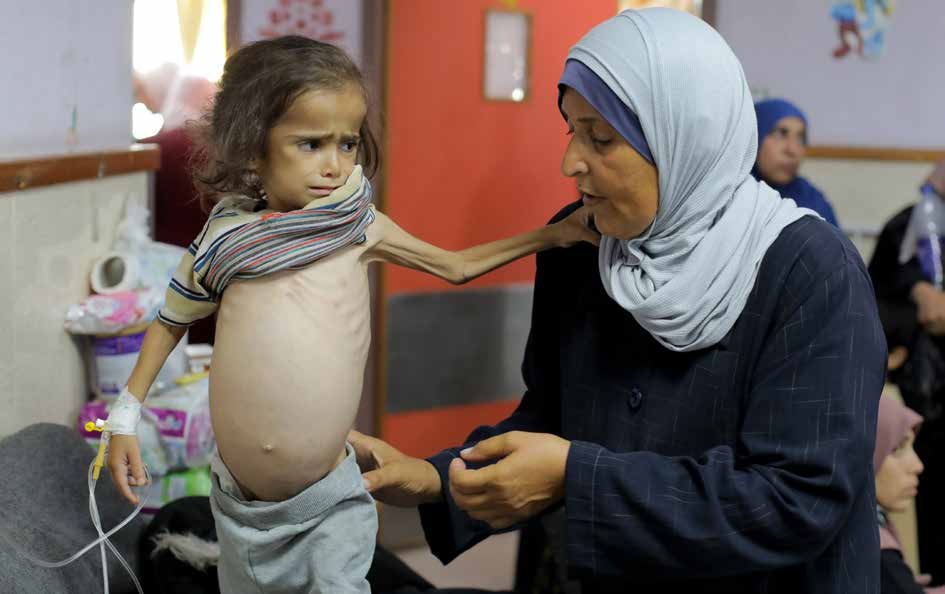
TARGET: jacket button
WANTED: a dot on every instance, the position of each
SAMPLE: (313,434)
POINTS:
(636,399)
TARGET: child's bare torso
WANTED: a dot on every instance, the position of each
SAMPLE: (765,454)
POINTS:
(288,368)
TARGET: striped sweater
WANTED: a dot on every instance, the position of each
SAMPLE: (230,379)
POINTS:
(238,243)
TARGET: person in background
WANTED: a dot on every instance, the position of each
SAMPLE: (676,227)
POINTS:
(782,145)
(897,468)
(913,308)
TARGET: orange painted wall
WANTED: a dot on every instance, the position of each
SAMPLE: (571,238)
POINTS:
(426,432)
(462,170)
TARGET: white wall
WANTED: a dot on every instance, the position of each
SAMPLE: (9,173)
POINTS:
(48,239)
(865,194)
(59,58)
(894,101)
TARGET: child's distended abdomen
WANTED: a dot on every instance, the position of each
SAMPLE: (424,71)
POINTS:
(287,373)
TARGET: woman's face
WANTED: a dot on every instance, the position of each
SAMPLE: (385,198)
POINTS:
(619,187)
(782,151)
(897,480)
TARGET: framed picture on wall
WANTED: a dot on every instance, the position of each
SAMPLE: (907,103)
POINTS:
(506,43)
(339,22)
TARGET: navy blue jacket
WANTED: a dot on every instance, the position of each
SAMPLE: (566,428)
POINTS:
(744,467)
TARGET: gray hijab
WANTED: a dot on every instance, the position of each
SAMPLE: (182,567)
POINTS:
(686,279)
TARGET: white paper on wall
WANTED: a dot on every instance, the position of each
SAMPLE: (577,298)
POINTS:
(505,75)
(334,21)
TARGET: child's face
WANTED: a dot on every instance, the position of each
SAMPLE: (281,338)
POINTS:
(313,148)
(897,480)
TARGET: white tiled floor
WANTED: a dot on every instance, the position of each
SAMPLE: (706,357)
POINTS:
(490,565)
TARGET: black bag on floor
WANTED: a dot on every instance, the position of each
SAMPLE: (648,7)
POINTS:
(162,571)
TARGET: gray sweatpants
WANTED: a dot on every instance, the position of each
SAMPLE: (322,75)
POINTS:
(320,541)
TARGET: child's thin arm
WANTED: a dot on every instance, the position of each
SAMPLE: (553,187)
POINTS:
(159,341)
(399,247)
(124,454)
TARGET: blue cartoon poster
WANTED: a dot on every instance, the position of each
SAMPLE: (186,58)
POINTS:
(861,27)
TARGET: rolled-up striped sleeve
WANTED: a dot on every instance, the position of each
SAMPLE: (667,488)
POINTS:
(186,300)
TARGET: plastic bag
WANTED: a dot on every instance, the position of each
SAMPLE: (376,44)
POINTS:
(155,261)
(135,261)
(110,314)
(129,282)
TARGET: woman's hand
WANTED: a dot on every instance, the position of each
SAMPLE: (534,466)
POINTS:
(126,465)
(577,227)
(931,304)
(393,477)
(528,478)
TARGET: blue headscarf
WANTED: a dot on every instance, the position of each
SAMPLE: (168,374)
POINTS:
(583,80)
(769,112)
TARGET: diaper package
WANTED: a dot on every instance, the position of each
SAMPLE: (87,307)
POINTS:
(182,419)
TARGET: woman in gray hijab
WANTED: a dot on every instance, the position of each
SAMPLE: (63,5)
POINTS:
(702,389)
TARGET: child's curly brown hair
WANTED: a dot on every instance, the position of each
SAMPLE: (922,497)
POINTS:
(260,81)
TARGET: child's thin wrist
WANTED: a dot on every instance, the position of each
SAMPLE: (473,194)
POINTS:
(124,415)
